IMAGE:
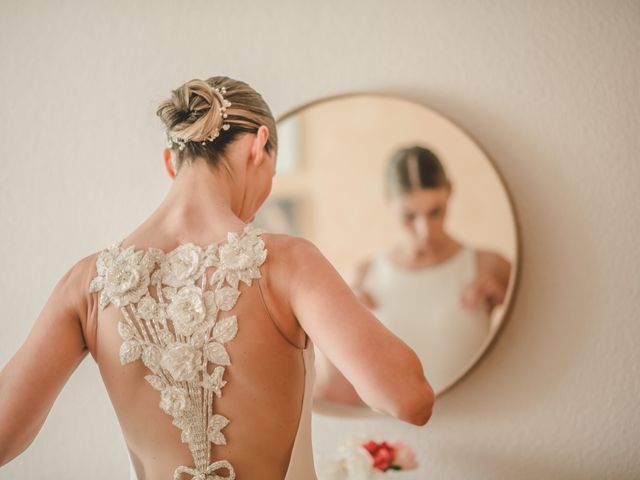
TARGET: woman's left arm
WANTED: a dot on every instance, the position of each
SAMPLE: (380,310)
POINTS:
(497,273)
(35,375)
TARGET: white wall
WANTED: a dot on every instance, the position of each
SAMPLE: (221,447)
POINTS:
(550,89)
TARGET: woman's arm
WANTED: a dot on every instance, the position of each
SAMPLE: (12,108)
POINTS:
(331,385)
(491,283)
(35,375)
(385,371)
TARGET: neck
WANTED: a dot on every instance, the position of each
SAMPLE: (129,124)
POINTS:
(200,205)
(434,250)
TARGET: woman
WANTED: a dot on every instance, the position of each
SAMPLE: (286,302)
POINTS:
(202,326)
(434,292)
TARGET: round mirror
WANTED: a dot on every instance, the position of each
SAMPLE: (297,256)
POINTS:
(414,216)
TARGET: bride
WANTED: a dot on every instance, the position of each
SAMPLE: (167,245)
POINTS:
(202,325)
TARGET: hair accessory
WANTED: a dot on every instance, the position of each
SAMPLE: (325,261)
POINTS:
(218,92)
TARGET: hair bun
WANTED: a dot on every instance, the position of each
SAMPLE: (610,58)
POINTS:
(194,112)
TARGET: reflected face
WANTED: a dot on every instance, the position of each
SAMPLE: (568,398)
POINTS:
(421,213)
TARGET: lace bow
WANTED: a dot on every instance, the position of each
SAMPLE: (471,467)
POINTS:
(197,474)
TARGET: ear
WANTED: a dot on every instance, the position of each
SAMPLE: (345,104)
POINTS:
(258,151)
(168,162)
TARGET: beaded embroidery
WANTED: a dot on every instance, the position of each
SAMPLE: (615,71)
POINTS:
(177,333)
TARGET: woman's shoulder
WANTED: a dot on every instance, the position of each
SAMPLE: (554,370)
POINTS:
(280,240)
(287,254)
(72,294)
(294,258)
(288,247)
(492,263)
(80,273)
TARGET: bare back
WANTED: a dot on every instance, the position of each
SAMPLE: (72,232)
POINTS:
(201,375)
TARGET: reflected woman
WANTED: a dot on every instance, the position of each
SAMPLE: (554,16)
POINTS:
(431,290)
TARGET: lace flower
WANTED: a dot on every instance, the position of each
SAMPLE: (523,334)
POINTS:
(123,275)
(187,309)
(240,257)
(183,265)
(182,361)
(149,309)
(174,400)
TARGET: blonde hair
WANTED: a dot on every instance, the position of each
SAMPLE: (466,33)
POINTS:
(193,113)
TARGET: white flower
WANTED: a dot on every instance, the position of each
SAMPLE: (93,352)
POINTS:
(240,257)
(182,265)
(187,309)
(149,309)
(123,275)
(174,400)
(234,255)
(182,361)
(353,461)
(359,464)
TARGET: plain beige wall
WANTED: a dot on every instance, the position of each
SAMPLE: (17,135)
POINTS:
(550,90)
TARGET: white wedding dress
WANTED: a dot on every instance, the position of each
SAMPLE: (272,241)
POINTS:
(423,307)
(204,382)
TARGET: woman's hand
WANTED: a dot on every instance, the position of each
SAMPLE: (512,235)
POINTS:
(476,293)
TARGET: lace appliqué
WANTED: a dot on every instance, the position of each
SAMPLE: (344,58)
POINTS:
(177,333)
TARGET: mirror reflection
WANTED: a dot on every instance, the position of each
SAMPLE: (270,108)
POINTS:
(414,216)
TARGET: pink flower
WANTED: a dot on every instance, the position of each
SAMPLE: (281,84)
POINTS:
(405,457)
(383,454)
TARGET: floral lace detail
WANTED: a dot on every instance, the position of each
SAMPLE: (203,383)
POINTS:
(177,334)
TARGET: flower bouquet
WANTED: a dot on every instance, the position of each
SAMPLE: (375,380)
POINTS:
(361,458)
